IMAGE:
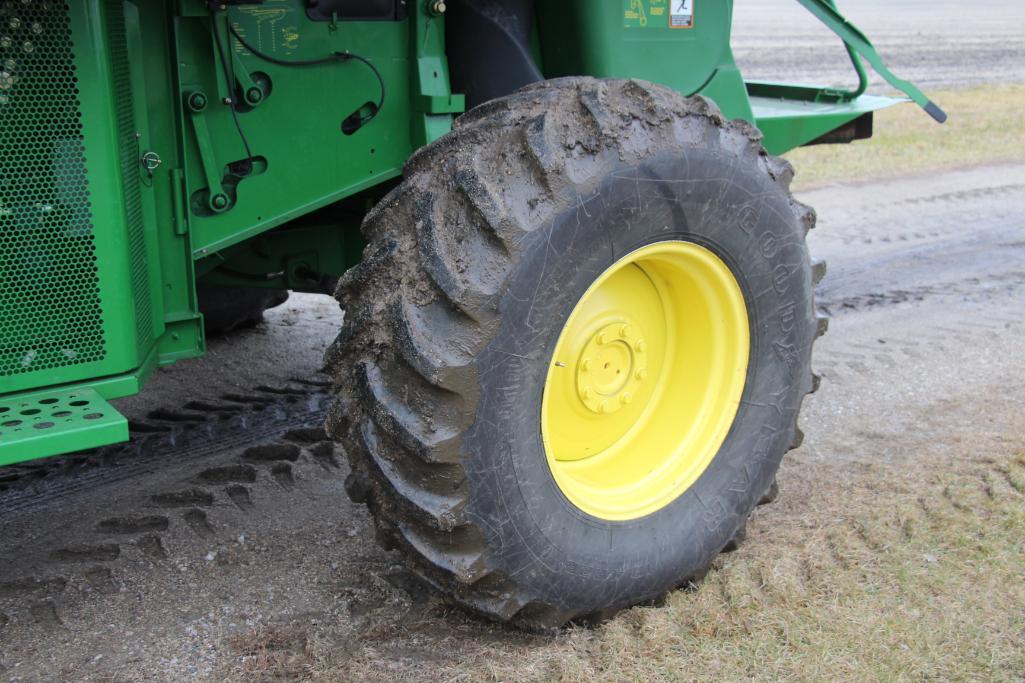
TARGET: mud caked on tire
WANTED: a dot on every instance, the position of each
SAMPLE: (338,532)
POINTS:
(477,269)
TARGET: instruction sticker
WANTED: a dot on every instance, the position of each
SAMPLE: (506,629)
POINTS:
(681,14)
(658,13)
(645,13)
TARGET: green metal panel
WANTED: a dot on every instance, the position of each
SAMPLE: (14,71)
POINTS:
(150,42)
(637,39)
(67,300)
(789,122)
(43,423)
(99,252)
(50,308)
(304,160)
(128,157)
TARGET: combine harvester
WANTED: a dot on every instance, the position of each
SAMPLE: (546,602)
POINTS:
(578,317)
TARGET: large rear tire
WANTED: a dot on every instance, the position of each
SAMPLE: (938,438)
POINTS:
(574,354)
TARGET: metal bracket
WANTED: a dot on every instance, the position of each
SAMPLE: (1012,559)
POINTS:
(195,104)
(857,42)
(180,204)
(253,93)
(297,258)
(441,104)
(183,337)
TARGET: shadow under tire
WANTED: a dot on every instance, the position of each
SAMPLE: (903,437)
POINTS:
(478,262)
(226,309)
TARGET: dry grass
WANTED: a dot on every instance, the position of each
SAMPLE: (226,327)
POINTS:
(279,652)
(906,583)
(888,573)
(985,126)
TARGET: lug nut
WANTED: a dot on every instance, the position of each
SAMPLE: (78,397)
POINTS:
(624,331)
(625,398)
(641,373)
(585,365)
(196,101)
(641,346)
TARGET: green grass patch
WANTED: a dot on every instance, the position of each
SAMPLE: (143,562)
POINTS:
(985,126)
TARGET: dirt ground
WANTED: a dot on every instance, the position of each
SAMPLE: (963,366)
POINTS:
(895,551)
(921,381)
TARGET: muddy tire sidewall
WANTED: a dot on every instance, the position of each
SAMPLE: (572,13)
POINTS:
(566,556)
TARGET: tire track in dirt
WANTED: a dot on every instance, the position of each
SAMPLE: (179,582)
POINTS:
(154,520)
(838,552)
(941,242)
(86,551)
(845,358)
(243,419)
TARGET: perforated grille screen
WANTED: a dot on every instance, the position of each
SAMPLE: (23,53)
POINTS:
(50,313)
(128,150)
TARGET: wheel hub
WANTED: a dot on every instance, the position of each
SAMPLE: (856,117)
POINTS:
(611,369)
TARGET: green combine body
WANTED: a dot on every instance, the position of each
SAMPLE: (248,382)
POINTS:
(126,177)
(579,304)
(150,146)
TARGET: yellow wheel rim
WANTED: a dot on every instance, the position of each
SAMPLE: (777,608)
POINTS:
(646,380)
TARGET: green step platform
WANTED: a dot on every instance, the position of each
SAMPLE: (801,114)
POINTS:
(47,422)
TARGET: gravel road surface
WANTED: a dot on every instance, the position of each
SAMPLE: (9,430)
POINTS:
(933,43)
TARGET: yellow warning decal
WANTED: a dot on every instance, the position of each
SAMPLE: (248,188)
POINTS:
(645,13)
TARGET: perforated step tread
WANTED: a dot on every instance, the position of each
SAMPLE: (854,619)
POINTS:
(50,422)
